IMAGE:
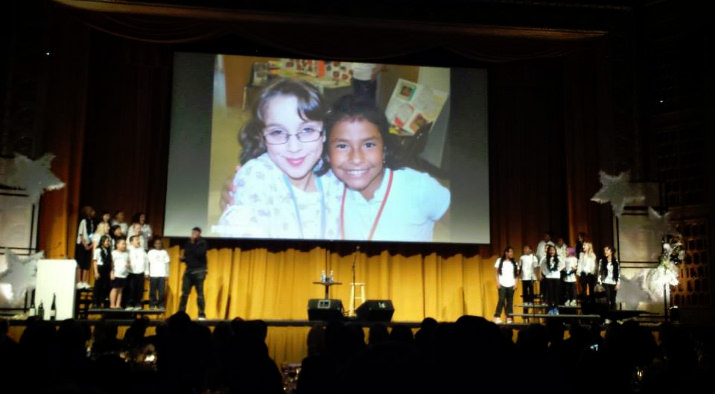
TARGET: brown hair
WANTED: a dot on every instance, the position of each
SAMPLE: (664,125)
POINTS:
(310,107)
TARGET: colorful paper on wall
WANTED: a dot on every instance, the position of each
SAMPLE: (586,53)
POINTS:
(413,105)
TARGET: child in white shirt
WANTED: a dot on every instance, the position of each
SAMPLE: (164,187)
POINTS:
(569,277)
(507,272)
(102,270)
(551,267)
(158,272)
(529,263)
(120,270)
(139,269)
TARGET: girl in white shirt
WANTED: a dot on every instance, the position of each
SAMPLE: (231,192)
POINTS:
(83,249)
(119,221)
(551,267)
(528,263)
(158,272)
(586,272)
(570,277)
(144,228)
(99,233)
(609,275)
(102,270)
(120,269)
(507,271)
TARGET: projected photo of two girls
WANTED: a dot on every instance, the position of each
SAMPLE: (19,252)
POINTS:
(343,168)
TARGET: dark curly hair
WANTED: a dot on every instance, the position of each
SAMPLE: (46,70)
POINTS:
(310,107)
(355,108)
(603,265)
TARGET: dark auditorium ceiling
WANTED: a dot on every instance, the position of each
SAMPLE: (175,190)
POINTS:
(540,14)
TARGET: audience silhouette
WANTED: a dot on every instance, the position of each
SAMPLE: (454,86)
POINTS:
(470,354)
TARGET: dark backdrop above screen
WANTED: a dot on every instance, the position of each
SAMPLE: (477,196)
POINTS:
(421,177)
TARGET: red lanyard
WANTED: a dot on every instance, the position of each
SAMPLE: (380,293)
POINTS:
(377,218)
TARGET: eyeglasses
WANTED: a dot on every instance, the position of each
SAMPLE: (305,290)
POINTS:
(278,136)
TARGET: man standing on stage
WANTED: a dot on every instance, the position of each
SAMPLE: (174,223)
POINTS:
(194,256)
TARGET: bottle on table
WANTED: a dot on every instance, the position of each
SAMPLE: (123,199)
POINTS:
(322,276)
(41,311)
(33,310)
(330,278)
(53,307)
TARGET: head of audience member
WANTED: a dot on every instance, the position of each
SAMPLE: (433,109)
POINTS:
(316,340)
(4,329)
(119,216)
(533,341)
(378,333)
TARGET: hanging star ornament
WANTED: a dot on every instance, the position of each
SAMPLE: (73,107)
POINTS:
(34,176)
(661,225)
(21,274)
(618,191)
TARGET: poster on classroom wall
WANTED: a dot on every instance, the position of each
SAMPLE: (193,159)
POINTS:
(413,106)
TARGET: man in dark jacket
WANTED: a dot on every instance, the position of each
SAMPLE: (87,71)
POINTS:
(194,255)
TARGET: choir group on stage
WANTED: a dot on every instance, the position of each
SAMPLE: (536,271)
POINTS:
(119,256)
(557,268)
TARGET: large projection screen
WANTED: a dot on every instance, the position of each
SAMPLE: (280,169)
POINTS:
(405,160)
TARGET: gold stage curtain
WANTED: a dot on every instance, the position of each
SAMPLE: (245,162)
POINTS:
(260,284)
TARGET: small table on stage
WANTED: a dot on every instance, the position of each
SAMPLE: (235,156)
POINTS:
(327,287)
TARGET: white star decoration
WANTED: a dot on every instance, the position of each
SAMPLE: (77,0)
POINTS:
(618,191)
(21,274)
(660,224)
(33,176)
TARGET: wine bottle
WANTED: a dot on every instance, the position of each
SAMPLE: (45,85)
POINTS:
(41,311)
(53,307)
(32,311)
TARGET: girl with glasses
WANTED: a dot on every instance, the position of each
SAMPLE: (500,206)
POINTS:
(276,193)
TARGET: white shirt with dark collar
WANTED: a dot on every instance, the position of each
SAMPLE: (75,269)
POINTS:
(547,263)
(609,276)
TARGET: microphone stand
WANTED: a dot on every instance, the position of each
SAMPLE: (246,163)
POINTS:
(352,285)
